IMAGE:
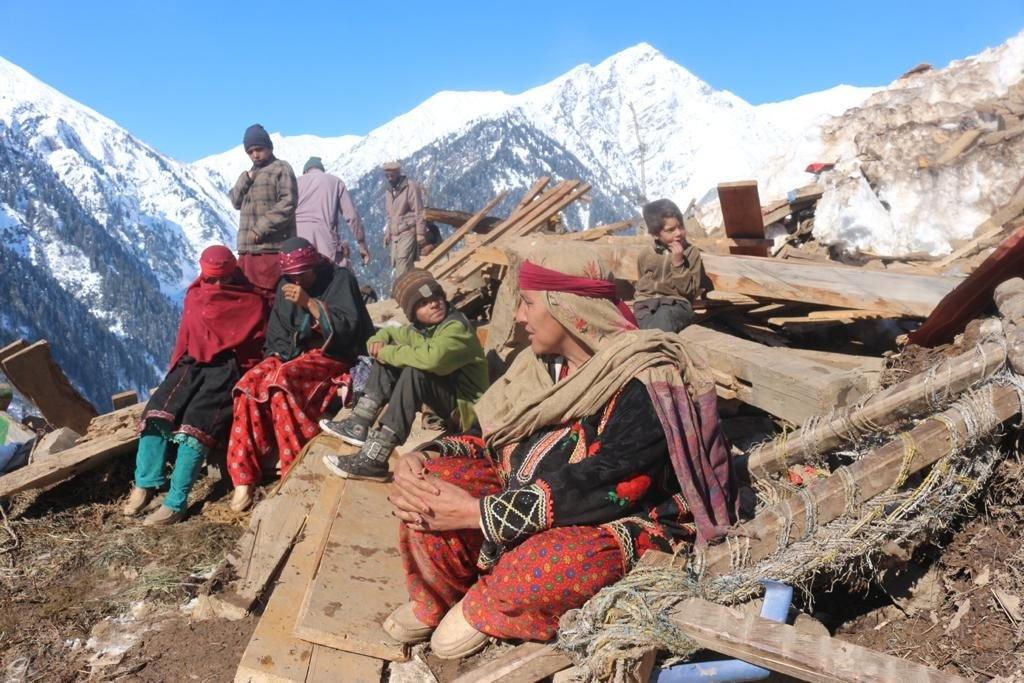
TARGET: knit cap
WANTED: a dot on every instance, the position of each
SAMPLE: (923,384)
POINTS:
(256,136)
(413,287)
(314,162)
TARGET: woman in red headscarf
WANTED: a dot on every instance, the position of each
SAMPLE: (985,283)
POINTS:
(318,328)
(599,442)
(220,337)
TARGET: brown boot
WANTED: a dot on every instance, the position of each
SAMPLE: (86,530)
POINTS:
(403,626)
(163,516)
(137,501)
(455,638)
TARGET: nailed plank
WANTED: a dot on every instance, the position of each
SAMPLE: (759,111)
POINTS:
(275,524)
(96,448)
(39,379)
(782,648)
(741,214)
(597,232)
(467,227)
(360,558)
(273,652)
(787,385)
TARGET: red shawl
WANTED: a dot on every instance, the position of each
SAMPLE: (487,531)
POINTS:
(221,317)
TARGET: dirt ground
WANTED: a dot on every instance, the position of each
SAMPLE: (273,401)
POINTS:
(958,608)
(72,569)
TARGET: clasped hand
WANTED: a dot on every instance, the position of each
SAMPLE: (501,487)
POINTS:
(295,294)
(424,501)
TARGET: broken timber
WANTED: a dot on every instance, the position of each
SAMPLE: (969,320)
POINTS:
(38,378)
(741,214)
(276,523)
(461,232)
(897,402)
(776,380)
(824,284)
(111,435)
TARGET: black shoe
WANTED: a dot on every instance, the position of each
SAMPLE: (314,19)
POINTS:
(372,460)
(349,430)
(357,466)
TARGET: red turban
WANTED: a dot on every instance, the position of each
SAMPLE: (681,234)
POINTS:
(217,261)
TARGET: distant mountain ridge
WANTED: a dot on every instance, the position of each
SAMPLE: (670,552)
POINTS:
(100,233)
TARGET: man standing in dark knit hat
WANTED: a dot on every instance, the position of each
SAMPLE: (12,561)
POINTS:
(266,195)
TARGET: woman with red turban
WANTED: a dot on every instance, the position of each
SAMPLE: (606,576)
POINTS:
(600,442)
(219,338)
(318,328)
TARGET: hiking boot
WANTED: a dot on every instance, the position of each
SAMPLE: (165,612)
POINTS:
(372,460)
(163,516)
(355,428)
(405,627)
(137,501)
(455,638)
(242,498)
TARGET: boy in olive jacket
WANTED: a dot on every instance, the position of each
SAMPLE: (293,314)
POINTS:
(436,359)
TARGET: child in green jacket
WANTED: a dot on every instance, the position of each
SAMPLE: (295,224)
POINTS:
(436,359)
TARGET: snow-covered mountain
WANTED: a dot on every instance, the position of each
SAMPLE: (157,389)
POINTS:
(99,232)
(693,136)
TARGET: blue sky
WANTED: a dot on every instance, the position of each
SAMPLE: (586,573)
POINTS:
(188,77)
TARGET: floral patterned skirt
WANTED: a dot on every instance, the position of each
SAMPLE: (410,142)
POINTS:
(277,408)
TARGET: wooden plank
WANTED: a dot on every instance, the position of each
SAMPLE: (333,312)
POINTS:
(741,214)
(513,220)
(534,216)
(988,230)
(959,146)
(361,559)
(596,233)
(124,399)
(873,474)
(274,653)
(824,284)
(467,227)
(776,380)
(39,379)
(884,408)
(276,522)
(94,450)
(846,314)
(810,657)
(535,190)
(457,219)
(526,663)
(12,348)
(839,286)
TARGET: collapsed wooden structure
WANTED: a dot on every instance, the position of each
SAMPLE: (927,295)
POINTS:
(319,560)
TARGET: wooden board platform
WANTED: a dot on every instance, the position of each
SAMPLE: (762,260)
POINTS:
(741,214)
(274,654)
(276,523)
(359,580)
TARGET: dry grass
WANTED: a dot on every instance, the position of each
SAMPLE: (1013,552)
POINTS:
(76,560)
